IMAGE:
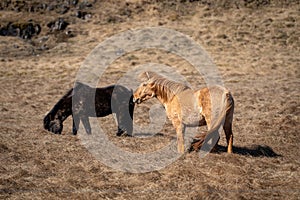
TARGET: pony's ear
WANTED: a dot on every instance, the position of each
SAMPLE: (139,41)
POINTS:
(144,76)
(147,75)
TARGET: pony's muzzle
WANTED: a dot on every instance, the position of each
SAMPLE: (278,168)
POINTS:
(136,100)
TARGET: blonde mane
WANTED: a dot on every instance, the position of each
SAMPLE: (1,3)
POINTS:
(212,106)
(164,87)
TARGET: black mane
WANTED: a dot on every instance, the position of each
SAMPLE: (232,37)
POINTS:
(84,101)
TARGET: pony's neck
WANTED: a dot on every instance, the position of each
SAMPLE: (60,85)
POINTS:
(161,94)
(166,90)
(63,108)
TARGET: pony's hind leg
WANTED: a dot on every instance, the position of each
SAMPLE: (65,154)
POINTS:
(120,124)
(125,120)
(228,125)
(229,136)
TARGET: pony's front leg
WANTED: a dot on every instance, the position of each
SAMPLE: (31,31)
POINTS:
(86,124)
(180,138)
(76,122)
(180,135)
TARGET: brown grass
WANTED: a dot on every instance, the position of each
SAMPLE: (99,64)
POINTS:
(256,48)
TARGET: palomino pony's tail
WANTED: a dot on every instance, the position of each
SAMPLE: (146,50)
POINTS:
(205,142)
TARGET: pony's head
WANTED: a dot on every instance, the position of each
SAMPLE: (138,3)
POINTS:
(146,89)
(53,121)
(53,125)
(144,92)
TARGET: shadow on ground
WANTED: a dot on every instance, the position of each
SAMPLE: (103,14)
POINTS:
(254,150)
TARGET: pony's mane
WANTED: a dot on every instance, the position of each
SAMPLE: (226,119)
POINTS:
(166,88)
(57,106)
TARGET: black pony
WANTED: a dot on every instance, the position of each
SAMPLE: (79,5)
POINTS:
(83,101)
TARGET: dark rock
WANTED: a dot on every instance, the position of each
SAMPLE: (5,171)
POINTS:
(23,30)
(75,2)
(58,25)
(83,15)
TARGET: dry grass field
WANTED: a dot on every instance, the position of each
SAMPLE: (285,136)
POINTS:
(255,45)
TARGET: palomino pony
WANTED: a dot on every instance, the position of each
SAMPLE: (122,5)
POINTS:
(185,107)
(112,99)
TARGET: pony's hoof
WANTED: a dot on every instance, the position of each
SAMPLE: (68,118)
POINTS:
(120,132)
(191,149)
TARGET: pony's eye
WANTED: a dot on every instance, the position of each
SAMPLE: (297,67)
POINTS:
(144,84)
